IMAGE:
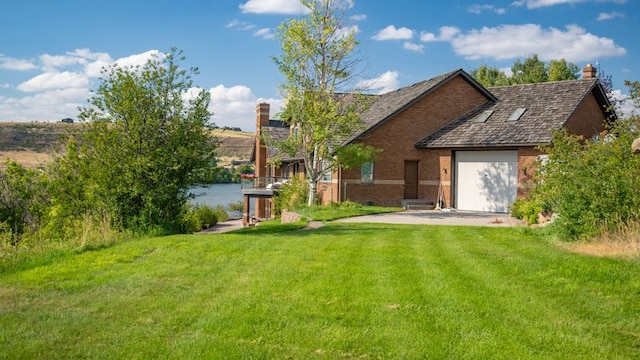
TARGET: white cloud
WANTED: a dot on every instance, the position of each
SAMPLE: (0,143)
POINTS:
(507,71)
(413,46)
(241,25)
(447,33)
(609,16)
(87,54)
(235,106)
(8,63)
(54,94)
(139,59)
(51,62)
(52,105)
(428,37)
(384,83)
(288,7)
(625,106)
(359,17)
(534,4)
(54,80)
(264,33)
(391,33)
(479,9)
(513,41)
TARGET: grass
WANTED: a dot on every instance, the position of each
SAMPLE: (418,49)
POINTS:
(343,210)
(340,291)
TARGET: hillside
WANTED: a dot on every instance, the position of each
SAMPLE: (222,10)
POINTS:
(31,144)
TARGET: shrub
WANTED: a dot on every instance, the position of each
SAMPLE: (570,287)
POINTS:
(199,217)
(592,184)
(221,214)
(529,208)
(292,196)
(237,206)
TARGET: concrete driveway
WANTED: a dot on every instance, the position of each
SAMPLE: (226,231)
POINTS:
(435,217)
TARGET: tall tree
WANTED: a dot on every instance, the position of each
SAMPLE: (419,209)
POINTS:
(559,70)
(317,60)
(143,138)
(490,76)
(532,70)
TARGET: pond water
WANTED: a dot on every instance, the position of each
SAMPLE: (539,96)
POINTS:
(220,194)
(217,194)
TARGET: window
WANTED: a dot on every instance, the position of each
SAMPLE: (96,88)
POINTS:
(366,173)
(517,114)
(483,116)
(326,176)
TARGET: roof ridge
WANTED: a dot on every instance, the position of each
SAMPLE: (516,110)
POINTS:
(544,83)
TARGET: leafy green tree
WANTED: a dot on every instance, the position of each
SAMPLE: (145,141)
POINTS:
(532,70)
(490,76)
(559,70)
(23,198)
(318,60)
(142,142)
(634,91)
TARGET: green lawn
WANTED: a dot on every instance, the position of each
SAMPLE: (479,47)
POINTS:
(361,291)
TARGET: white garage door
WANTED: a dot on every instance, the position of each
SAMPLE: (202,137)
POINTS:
(486,180)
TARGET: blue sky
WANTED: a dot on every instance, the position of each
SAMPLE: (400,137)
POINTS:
(51,52)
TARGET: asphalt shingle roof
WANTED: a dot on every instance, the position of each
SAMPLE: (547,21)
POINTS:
(391,103)
(548,106)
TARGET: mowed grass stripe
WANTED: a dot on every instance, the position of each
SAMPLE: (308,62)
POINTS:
(344,290)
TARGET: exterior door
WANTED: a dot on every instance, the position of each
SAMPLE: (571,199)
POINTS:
(410,179)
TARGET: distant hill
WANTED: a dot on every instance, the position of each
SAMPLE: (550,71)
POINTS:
(31,144)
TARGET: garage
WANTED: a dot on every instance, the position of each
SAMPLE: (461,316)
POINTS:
(486,180)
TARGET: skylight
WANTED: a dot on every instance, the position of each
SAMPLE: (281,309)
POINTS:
(517,114)
(483,116)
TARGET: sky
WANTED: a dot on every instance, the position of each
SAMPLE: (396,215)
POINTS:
(51,52)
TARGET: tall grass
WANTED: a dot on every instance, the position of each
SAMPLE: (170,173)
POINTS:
(95,232)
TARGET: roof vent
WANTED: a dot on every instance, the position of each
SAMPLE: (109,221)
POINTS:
(483,116)
(516,114)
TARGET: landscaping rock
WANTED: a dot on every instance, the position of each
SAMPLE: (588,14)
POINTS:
(635,146)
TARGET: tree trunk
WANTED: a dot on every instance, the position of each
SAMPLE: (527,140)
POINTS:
(312,173)
(313,191)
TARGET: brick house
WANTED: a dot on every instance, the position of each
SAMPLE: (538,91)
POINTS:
(450,141)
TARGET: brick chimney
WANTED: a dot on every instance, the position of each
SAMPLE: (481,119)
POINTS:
(589,72)
(262,120)
(262,115)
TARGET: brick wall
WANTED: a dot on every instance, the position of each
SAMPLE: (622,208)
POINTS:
(587,120)
(397,140)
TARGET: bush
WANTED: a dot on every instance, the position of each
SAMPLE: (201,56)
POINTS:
(199,217)
(237,206)
(221,213)
(292,196)
(592,184)
(528,209)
